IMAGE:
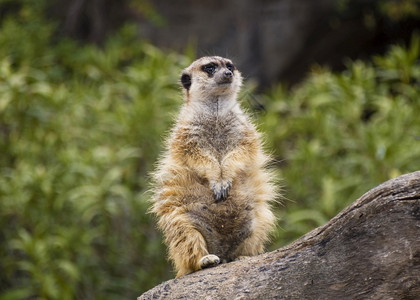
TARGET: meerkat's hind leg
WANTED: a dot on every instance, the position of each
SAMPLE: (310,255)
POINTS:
(208,261)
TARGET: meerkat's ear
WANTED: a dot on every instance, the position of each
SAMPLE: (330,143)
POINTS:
(186,81)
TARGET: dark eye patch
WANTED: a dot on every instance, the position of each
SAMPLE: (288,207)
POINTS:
(209,68)
(230,67)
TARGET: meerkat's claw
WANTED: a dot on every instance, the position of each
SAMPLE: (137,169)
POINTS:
(221,190)
(209,261)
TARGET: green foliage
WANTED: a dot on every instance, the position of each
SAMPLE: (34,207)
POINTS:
(338,135)
(80,128)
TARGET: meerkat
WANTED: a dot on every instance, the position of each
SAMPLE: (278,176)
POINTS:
(212,188)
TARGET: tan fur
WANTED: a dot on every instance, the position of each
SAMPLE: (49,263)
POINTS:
(213,151)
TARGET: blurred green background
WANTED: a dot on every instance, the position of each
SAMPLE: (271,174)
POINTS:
(82,125)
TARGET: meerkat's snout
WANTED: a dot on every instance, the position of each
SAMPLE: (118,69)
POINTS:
(228,74)
(224,77)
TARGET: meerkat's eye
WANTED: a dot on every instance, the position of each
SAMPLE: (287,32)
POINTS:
(230,67)
(209,68)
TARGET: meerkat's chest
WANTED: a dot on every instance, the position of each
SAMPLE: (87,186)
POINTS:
(219,133)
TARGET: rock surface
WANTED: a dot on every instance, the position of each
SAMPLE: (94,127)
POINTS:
(371,250)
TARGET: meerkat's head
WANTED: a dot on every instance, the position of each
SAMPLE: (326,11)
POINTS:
(211,77)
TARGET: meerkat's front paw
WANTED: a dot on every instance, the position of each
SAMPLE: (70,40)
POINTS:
(209,261)
(221,189)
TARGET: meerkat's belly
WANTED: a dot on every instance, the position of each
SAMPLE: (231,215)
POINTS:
(224,225)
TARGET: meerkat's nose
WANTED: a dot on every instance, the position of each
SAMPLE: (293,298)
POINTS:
(228,74)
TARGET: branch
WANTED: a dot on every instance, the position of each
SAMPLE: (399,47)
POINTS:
(371,250)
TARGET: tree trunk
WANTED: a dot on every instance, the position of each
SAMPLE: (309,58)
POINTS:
(371,250)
